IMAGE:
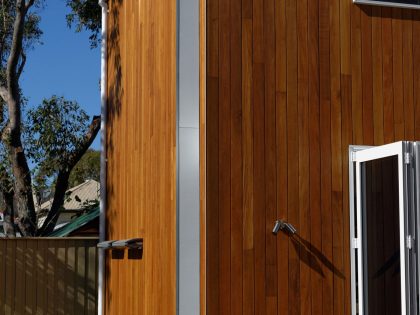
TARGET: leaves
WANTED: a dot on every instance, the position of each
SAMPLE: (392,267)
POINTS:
(52,136)
(32,32)
(54,130)
(88,167)
(85,15)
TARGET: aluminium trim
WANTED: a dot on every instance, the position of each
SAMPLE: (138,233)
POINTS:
(102,208)
(352,157)
(388,4)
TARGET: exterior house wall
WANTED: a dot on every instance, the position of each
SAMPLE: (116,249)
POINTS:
(287,86)
(141,150)
(290,84)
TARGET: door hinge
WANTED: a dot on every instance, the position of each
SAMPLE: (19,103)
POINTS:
(407,158)
(353,156)
(356,243)
(409,242)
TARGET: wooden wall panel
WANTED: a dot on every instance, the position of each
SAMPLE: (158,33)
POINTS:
(48,276)
(141,155)
(316,76)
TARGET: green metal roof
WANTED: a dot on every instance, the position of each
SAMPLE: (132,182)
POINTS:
(76,223)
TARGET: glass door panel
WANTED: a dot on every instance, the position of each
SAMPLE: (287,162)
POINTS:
(381,242)
(383,221)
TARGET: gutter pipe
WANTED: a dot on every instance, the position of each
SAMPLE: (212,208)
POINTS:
(102,211)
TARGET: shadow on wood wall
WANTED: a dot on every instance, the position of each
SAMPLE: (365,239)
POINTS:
(48,276)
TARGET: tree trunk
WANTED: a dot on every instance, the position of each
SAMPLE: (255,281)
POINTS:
(8,215)
(63,177)
(59,195)
(23,200)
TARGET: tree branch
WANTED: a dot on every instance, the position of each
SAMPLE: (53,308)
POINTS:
(4,94)
(22,65)
(29,4)
(88,139)
(64,174)
(11,70)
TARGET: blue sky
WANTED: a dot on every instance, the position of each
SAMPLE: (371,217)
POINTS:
(64,65)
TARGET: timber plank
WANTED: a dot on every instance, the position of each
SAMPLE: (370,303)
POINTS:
(224,157)
(19,295)
(356,78)
(293,154)
(325,143)
(408,75)
(397,65)
(377,76)
(212,197)
(3,257)
(388,91)
(248,166)
(236,159)
(270,157)
(282,154)
(346,138)
(303,160)
(367,73)
(336,160)
(10,277)
(416,72)
(259,187)
(314,153)
(30,276)
(259,184)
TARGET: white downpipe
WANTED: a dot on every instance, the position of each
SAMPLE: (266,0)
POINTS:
(102,215)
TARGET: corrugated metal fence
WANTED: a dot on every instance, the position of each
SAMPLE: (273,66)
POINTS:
(48,276)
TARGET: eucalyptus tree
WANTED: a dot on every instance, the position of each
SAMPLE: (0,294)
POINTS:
(53,136)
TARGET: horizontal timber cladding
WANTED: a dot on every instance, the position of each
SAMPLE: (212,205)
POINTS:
(290,84)
(141,147)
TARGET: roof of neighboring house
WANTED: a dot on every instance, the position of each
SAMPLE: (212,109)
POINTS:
(89,190)
(76,198)
(76,224)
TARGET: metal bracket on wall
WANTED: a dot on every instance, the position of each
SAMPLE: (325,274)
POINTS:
(132,243)
(284,226)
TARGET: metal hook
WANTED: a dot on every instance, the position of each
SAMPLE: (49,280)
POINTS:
(284,226)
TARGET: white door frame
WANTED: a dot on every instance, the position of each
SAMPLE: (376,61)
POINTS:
(359,155)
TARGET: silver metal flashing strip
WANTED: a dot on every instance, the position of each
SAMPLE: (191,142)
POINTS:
(102,212)
(188,158)
(388,4)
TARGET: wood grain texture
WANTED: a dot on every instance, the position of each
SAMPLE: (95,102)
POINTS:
(317,76)
(141,154)
(39,276)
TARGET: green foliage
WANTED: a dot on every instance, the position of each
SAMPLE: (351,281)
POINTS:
(85,15)
(32,37)
(88,167)
(32,34)
(53,131)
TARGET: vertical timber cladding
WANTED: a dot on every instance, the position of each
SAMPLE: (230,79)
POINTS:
(290,84)
(141,150)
